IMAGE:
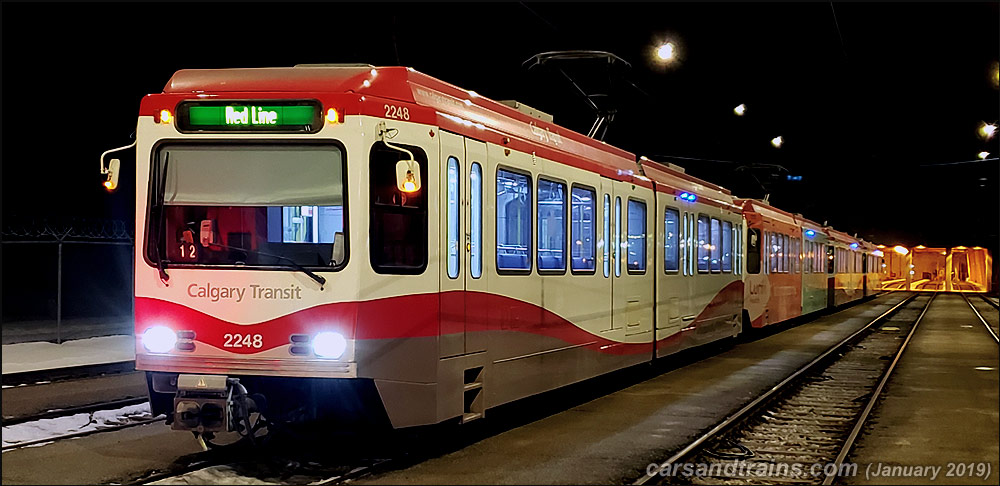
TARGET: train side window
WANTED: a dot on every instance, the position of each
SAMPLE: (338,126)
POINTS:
(753,251)
(606,250)
(616,250)
(454,215)
(772,253)
(476,217)
(715,247)
(684,246)
(691,250)
(513,222)
(582,229)
(398,224)
(727,246)
(738,269)
(636,230)
(704,244)
(808,254)
(670,230)
(551,225)
(830,260)
(785,253)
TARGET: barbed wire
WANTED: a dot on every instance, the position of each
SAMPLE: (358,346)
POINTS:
(30,228)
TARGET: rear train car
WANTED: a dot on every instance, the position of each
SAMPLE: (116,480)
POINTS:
(773,286)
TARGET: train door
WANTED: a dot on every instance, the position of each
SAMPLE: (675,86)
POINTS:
(454,267)
(610,246)
(632,286)
(671,284)
(475,262)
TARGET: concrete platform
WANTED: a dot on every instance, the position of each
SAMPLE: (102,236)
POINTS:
(940,408)
(611,439)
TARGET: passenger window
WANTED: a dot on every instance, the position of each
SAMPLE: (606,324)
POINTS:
(716,247)
(685,246)
(454,258)
(476,216)
(513,222)
(398,224)
(551,225)
(704,244)
(636,236)
(670,247)
(582,230)
(830,260)
(727,246)
(772,250)
(618,237)
(753,251)
(607,236)
(785,250)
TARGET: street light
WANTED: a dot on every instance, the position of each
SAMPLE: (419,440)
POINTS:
(666,51)
(777,141)
(987,130)
(740,110)
(984,154)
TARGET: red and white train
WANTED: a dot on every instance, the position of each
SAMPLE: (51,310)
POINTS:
(345,241)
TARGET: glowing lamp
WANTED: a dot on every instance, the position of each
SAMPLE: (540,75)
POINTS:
(810,233)
(332,116)
(165,117)
(900,249)
(410,184)
(854,246)
(159,339)
(329,344)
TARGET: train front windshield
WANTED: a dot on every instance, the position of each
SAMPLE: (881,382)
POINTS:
(254,205)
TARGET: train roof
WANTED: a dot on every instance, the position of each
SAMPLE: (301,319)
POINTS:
(673,178)
(769,212)
(458,109)
(840,236)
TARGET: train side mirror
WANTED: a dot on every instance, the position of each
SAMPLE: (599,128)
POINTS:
(111,183)
(408,175)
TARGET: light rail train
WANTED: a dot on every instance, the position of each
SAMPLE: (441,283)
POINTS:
(374,245)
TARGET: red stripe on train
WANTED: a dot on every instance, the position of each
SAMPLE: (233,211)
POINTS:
(407,316)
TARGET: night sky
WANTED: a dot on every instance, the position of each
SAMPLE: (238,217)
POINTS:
(877,103)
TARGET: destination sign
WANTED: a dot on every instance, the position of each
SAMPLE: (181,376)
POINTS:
(250,116)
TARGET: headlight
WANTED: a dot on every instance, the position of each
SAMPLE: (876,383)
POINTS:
(159,339)
(329,345)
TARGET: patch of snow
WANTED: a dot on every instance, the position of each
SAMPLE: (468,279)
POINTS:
(81,422)
(38,356)
(212,475)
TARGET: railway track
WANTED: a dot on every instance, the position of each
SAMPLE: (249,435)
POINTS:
(989,328)
(801,430)
(96,421)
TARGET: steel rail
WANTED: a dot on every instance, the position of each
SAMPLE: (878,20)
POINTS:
(982,319)
(989,301)
(860,423)
(111,428)
(743,412)
(65,412)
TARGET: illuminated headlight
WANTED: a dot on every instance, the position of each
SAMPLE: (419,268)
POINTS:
(329,345)
(159,339)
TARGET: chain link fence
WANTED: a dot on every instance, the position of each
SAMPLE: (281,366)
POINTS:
(66,279)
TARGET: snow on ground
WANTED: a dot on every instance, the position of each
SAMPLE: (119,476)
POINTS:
(44,355)
(212,475)
(48,428)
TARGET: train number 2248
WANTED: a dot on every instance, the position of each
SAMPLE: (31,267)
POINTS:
(397,112)
(243,340)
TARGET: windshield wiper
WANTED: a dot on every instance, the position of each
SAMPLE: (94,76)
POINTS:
(160,205)
(291,263)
